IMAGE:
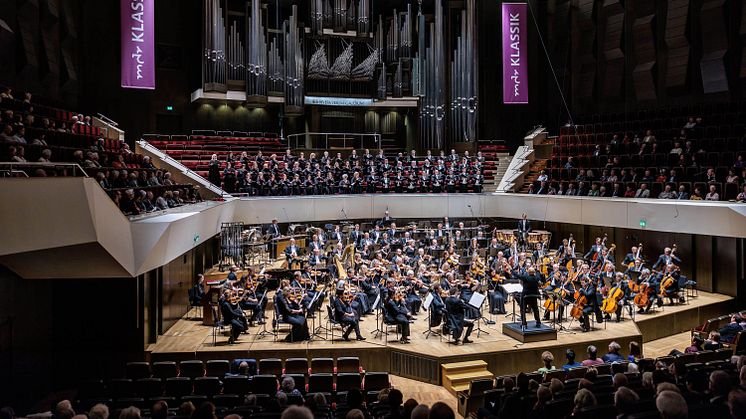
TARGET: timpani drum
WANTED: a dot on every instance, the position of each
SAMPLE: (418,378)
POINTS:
(505,236)
(534,237)
(544,236)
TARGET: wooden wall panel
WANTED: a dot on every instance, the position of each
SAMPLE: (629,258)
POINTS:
(742,35)
(611,54)
(703,270)
(724,266)
(677,43)
(714,37)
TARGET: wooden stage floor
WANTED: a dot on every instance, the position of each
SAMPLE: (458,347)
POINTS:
(189,339)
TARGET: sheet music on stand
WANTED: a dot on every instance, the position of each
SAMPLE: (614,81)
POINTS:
(513,288)
(313,301)
(375,303)
(477,299)
(428,300)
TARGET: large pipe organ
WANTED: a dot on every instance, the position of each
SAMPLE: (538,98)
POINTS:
(421,51)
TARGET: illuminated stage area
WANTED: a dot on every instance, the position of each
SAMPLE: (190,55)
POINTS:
(421,359)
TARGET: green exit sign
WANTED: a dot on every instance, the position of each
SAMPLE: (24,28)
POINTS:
(643,223)
(196,238)
(169,108)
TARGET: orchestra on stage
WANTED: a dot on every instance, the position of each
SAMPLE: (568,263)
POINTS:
(441,273)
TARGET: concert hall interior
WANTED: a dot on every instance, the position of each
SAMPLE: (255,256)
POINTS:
(372,209)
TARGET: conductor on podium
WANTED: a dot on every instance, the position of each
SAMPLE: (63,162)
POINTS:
(530,294)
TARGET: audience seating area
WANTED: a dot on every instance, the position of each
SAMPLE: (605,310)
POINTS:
(41,141)
(512,396)
(659,149)
(237,385)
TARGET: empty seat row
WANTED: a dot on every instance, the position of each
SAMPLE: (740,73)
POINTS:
(219,368)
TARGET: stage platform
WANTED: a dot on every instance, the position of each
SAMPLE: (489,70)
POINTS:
(421,359)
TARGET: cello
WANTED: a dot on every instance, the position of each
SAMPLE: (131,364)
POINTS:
(611,302)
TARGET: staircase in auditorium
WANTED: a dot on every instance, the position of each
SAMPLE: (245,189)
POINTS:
(457,376)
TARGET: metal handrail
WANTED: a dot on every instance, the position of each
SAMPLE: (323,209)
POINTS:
(14,167)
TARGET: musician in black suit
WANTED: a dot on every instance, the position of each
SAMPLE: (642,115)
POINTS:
(291,312)
(456,309)
(530,294)
(396,312)
(234,317)
(231,278)
(667,257)
(589,292)
(437,307)
(274,229)
(292,251)
(524,227)
(346,316)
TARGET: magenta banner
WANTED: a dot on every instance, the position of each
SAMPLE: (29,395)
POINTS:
(138,43)
(515,57)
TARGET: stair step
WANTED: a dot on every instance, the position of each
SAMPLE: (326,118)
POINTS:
(457,366)
(467,377)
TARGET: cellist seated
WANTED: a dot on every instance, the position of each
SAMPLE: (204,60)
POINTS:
(669,286)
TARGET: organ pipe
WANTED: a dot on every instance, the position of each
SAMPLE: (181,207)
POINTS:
(213,59)
(293,66)
(256,83)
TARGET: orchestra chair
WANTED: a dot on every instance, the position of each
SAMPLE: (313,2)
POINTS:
(388,322)
(492,399)
(349,364)
(332,319)
(137,370)
(296,366)
(193,303)
(473,398)
(165,369)
(277,323)
(217,326)
(236,363)
(270,366)
(322,365)
(236,384)
(217,368)
(192,368)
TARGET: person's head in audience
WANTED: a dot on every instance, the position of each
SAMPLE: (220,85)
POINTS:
(719,384)
(7,412)
(619,380)
(319,399)
(409,406)
(355,414)
(737,404)
(570,356)
(624,400)
(634,349)
(63,410)
(441,410)
(533,385)
(186,409)
(159,410)
(543,395)
(395,399)
(421,411)
(556,385)
(592,352)
(666,386)
(585,383)
(508,383)
(134,413)
(583,398)
(288,385)
(591,374)
(522,382)
(354,398)
(671,405)
(297,412)
(633,368)
(547,358)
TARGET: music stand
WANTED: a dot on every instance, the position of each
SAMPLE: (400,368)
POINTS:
(316,330)
(476,301)
(264,332)
(378,307)
(427,304)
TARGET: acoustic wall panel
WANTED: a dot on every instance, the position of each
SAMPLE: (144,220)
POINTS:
(584,58)
(677,43)
(643,73)
(611,54)
(713,24)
